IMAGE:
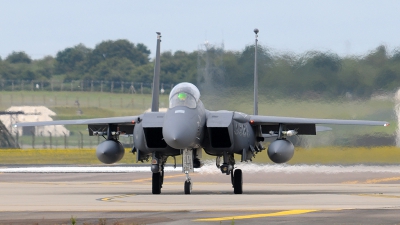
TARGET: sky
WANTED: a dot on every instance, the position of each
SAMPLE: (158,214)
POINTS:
(356,27)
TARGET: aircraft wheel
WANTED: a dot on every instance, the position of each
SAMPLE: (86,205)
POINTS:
(156,183)
(188,187)
(238,182)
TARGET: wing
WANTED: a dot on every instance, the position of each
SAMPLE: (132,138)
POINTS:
(124,124)
(124,120)
(270,120)
(304,126)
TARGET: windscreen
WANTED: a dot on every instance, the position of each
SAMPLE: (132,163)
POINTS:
(184,94)
(182,99)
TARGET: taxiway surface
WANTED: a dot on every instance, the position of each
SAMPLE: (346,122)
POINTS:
(347,196)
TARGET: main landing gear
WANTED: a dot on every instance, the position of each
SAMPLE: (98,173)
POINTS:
(157,167)
(237,181)
(157,182)
(228,168)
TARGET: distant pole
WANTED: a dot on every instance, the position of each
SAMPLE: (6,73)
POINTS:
(33,139)
(17,139)
(255,75)
(81,144)
(51,141)
(65,139)
(397,110)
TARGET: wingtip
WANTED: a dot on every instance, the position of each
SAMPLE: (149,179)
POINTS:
(386,124)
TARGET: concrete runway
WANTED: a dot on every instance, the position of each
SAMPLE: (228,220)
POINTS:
(269,198)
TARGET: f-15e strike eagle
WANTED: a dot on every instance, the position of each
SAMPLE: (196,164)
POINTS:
(188,127)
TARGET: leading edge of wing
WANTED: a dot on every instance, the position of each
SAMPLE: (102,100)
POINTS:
(268,120)
(113,120)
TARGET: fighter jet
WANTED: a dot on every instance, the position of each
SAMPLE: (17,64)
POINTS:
(188,127)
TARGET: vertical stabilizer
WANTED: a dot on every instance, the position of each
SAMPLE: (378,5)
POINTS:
(255,76)
(156,78)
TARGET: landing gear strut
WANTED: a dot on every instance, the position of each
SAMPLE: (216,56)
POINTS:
(157,167)
(228,168)
(187,167)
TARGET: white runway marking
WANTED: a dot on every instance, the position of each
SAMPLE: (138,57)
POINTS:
(84,169)
(210,168)
(318,169)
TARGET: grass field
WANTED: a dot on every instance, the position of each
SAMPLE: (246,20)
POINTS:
(321,155)
(93,104)
(118,104)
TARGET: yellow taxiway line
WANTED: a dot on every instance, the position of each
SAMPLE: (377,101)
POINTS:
(373,181)
(252,216)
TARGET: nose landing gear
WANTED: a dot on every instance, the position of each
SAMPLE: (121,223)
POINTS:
(188,185)
(190,160)
(187,167)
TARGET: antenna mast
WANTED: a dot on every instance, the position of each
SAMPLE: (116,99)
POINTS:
(255,75)
(156,78)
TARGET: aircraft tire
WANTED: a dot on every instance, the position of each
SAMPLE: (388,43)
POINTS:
(188,187)
(156,183)
(238,182)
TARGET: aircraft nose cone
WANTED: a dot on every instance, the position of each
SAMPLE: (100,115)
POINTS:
(180,128)
(178,137)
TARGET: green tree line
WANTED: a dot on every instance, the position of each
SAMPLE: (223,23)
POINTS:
(311,74)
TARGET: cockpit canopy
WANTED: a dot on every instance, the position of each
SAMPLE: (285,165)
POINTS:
(184,94)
